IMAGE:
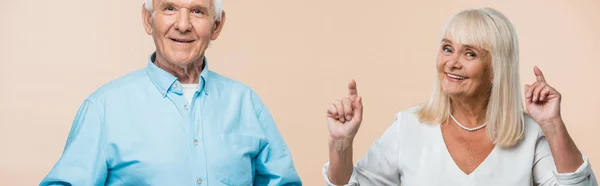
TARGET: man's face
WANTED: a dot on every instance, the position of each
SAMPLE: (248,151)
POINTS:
(182,29)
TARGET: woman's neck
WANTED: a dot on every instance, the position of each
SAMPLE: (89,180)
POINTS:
(470,112)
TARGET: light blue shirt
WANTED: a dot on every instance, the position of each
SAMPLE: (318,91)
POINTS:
(140,130)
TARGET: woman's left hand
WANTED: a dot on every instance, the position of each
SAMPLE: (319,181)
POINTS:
(542,101)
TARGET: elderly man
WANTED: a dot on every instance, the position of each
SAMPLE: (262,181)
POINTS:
(175,122)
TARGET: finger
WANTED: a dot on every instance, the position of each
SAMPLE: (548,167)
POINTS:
(348,112)
(331,120)
(536,91)
(533,94)
(545,92)
(530,90)
(527,96)
(539,76)
(358,109)
(352,91)
(332,111)
(340,110)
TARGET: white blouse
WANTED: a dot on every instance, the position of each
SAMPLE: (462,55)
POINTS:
(413,153)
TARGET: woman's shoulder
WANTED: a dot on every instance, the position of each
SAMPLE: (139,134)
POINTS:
(408,114)
(409,119)
(532,133)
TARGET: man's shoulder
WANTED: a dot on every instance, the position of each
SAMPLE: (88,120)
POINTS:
(124,84)
(235,91)
(230,85)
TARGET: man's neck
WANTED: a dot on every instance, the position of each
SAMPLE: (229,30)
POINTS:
(186,74)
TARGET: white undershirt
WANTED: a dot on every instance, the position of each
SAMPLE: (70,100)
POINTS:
(188,91)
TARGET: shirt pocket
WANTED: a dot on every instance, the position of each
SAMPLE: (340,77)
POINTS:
(236,159)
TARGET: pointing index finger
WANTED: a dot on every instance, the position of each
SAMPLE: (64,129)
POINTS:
(352,91)
(539,76)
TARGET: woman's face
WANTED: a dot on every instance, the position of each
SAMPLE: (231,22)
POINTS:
(464,71)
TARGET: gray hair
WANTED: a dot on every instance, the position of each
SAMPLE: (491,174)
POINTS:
(218,7)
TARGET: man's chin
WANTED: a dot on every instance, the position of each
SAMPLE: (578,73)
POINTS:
(182,60)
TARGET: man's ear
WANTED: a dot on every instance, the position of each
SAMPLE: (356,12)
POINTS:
(218,26)
(147,19)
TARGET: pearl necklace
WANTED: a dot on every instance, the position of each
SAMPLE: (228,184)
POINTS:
(467,128)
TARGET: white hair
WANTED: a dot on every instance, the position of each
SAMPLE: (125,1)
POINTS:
(490,30)
(217,6)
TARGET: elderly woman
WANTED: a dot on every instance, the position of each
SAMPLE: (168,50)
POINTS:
(473,130)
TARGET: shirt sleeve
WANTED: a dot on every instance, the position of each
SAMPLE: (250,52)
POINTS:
(545,174)
(273,164)
(380,165)
(83,161)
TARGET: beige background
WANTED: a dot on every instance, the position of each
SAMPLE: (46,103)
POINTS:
(298,55)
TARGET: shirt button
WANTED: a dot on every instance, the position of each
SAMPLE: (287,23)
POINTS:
(199,181)
(196,142)
(185,107)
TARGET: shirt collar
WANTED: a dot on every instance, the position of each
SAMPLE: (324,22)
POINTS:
(166,82)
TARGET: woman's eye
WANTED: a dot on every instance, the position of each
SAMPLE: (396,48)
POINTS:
(446,49)
(471,54)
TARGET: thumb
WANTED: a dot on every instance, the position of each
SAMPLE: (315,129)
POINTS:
(358,108)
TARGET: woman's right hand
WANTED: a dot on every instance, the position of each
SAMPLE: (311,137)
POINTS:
(344,116)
